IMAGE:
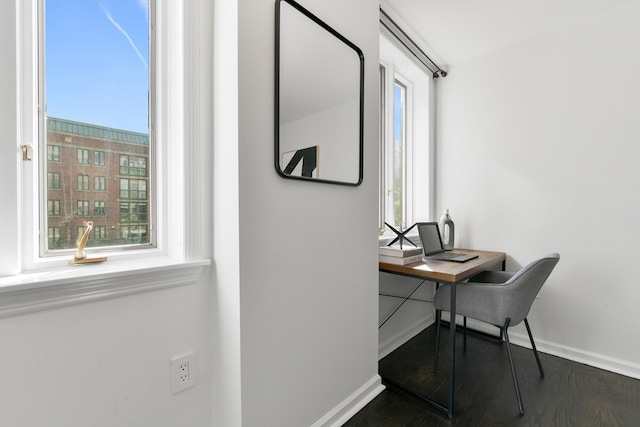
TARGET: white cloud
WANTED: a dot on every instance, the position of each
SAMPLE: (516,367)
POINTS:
(124,33)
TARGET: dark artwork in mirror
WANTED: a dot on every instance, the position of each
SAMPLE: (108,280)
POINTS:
(303,162)
(319,83)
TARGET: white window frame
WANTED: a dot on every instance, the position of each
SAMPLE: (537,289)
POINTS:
(30,282)
(420,169)
(391,76)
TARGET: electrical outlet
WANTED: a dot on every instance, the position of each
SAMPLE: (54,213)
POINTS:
(183,372)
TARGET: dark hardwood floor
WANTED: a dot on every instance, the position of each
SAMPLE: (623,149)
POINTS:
(570,394)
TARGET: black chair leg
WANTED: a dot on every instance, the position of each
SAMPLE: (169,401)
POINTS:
(513,369)
(533,346)
(435,362)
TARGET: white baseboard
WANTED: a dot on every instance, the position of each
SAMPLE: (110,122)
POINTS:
(600,361)
(596,360)
(352,404)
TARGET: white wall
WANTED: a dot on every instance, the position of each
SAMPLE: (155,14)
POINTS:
(107,363)
(225,310)
(539,151)
(308,255)
(8,130)
(401,320)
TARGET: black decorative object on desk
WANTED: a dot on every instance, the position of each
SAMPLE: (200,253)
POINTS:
(400,235)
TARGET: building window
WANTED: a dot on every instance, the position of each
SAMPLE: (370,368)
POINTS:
(53,180)
(133,188)
(53,207)
(98,208)
(53,153)
(98,158)
(99,232)
(133,212)
(54,237)
(83,208)
(134,233)
(82,156)
(133,165)
(83,183)
(99,183)
(54,234)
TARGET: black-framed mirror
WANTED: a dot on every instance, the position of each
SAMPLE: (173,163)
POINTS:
(319,99)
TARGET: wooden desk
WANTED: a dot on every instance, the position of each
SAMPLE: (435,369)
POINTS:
(451,273)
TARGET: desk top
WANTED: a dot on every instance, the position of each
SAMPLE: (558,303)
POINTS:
(447,271)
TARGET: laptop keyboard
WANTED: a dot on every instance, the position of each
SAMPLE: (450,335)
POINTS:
(443,256)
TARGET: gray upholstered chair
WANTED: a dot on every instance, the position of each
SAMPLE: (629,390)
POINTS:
(500,298)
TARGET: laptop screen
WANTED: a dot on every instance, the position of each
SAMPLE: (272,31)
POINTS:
(430,237)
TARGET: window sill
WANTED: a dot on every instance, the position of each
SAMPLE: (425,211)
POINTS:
(85,283)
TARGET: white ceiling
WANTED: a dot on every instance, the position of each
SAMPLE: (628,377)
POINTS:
(452,31)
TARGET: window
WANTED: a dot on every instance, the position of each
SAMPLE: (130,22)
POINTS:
(53,153)
(133,212)
(82,156)
(405,139)
(133,165)
(26,202)
(97,116)
(395,150)
(133,188)
(53,180)
(53,208)
(83,183)
(398,211)
(99,232)
(134,234)
(99,183)
(54,234)
(98,158)
(83,208)
(98,208)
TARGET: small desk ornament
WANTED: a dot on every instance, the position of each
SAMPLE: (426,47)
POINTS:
(401,235)
(447,230)
(80,257)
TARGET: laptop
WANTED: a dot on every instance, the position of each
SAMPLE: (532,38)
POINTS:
(432,245)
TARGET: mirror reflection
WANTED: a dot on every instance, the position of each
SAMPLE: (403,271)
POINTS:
(319,82)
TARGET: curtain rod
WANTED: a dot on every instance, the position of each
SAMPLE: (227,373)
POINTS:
(407,42)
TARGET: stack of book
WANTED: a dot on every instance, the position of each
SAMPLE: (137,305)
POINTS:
(404,256)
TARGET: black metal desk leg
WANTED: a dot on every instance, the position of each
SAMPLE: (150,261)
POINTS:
(452,348)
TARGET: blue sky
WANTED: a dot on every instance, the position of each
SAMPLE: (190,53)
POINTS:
(97,62)
(398,110)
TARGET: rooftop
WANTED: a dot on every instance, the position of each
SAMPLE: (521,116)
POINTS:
(94,131)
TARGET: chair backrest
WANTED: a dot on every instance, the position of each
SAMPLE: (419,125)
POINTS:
(525,285)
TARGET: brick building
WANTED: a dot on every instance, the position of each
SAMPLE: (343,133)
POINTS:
(97,174)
